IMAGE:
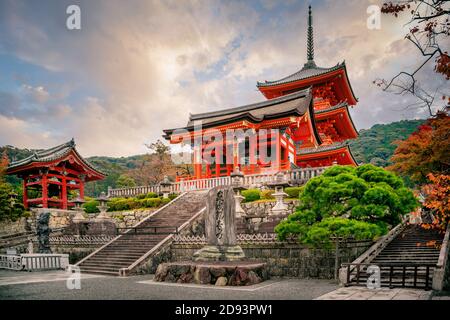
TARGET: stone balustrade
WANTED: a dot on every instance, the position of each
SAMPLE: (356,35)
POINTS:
(294,176)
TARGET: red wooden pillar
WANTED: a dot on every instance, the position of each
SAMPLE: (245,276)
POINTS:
(25,194)
(253,144)
(82,179)
(197,162)
(44,191)
(278,150)
(64,193)
(218,162)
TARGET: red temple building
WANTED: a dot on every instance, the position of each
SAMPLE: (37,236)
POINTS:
(332,94)
(49,175)
(309,109)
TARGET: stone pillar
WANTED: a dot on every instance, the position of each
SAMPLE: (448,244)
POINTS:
(220,227)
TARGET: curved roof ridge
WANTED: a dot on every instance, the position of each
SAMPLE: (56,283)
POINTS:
(252,106)
(306,72)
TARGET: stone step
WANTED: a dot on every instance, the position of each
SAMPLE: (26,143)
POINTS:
(99,271)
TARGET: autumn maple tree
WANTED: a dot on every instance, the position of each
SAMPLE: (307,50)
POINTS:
(426,151)
(438,198)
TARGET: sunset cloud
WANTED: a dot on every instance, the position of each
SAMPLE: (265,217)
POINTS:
(137,68)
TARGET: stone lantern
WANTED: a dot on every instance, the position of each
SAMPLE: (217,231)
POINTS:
(13,198)
(79,209)
(165,187)
(103,199)
(278,184)
(237,183)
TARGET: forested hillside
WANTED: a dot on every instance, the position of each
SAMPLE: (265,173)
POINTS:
(375,145)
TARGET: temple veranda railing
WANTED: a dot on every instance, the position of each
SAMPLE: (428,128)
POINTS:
(294,176)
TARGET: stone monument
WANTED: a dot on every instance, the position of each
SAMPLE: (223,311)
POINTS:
(43,232)
(220,227)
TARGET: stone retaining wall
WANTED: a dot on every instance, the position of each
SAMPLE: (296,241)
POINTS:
(11,227)
(287,259)
(260,208)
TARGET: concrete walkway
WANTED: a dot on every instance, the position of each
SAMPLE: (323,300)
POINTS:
(363,293)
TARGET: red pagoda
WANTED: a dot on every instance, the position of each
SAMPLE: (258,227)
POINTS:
(50,174)
(308,109)
(332,94)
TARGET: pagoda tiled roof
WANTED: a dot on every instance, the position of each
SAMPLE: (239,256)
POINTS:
(52,154)
(322,148)
(343,104)
(297,103)
(309,70)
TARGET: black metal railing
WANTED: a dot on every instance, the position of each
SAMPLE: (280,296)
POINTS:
(147,230)
(405,275)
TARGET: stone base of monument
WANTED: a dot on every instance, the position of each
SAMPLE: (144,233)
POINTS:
(219,253)
(220,273)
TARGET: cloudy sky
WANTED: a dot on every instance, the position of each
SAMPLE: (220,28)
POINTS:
(137,67)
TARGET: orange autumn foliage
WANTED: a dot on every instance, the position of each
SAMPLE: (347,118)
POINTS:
(438,199)
(426,151)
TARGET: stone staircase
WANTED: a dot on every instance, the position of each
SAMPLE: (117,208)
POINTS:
(408,260)
(128,249)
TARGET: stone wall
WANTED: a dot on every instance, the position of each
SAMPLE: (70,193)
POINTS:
(260,208)
(125,219)
(12,227)
(287,259)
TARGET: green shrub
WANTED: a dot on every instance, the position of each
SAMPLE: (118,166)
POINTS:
(91,206)
(141,196)
(251,195)
(293,192)
(173,196)
(165,201)
(360,202)
(152,202)
(151,195)
(267,194)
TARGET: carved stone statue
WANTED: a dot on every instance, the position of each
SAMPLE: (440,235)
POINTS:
(220,227)
(43,232)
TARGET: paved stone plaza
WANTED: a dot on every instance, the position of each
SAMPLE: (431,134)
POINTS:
(52,285)
(363,293)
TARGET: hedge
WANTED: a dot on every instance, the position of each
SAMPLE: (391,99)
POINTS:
(293,192)
(251,195)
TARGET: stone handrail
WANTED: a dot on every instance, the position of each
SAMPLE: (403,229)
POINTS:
(293,176)
(376,248)
(442,266)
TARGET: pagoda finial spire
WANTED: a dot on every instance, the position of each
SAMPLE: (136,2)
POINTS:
(310,42)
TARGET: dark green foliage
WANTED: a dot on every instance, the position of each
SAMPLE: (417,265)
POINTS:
(375,146)
(91,206)
(122,204)
(172,196)
(369,198)
(9,210)
(165,201)
(151,195)
(125,181)
(251,195)
(293,192)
